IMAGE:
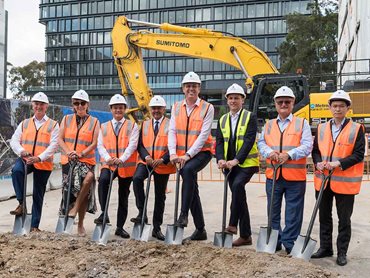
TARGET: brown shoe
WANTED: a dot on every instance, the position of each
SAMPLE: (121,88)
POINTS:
(242,241)
(17,211)
(35,230)
(232,230)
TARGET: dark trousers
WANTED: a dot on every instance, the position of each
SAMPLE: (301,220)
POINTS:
(40,179)
(293,192)
(344,204)
(239,207)
(190,192)
(123,193)
(160,184)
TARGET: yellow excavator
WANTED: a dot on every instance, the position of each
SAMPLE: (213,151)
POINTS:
(262,78)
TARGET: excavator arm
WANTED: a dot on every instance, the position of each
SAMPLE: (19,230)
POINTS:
(198,43)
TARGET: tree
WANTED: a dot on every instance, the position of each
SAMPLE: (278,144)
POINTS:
(311,43)
(22,79)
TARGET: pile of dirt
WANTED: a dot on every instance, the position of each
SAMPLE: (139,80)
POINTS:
(49,255)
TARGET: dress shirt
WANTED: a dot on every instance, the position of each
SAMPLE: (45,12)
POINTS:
(297,153)
(234,120)
(132,145)
(15,142)
(204,132)
(336,130)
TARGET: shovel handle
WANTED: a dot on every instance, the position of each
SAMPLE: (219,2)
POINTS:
(177,189)
(275,167)
(108,198)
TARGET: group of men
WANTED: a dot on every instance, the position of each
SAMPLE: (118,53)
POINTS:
(185,141)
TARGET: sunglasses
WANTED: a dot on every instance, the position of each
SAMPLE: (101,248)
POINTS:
(77,103)
(286,102)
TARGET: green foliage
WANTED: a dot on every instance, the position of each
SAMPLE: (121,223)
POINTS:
(311,43)
(22,79)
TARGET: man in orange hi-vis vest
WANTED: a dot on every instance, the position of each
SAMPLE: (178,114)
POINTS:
(117,143)
(286,140)
(339,145)
(190,145)
(153,152)
(35,141)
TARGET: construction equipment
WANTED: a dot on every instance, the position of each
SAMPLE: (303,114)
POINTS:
(102,231)
(223,238)
(174,234)
(65,223)
(141,231)
(268,237)
(22,223)
(304,246)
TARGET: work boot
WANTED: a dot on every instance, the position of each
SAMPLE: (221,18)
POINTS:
(99,220)
(158,234)
(18,211)
(137,219)
(122,233)
(242,241)
(182,221)
(341,259)
(197,235)
(322,253)
(231,229)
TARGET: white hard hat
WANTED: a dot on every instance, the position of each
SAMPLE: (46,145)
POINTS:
(41,97)
(82,95)
(284,91)
(157,101)
(118,99)
(235,89)
(191,77)
(340,95)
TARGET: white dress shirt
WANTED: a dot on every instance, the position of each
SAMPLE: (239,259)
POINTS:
(234,120)
(15,142)
(204,132)
(132,145)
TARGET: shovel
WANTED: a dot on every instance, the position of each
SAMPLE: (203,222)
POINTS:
(224,239)
(22,223)
(268,238)
(65,223)
(174,234)
(304,246)
(141,231)
(102,231)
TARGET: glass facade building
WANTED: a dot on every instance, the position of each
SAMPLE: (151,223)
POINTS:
(79,48)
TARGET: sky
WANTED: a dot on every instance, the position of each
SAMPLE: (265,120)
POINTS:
(26,36)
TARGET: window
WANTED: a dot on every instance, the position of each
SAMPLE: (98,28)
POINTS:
(190,15)
(260,10)
(108,7)
(90,24)
(260,27)
(75,9)
(108,22)
(73,54)
(98,23)
(247,28)
(83,23)
(83,8)
(198,15)
(66,10)
(52,11)
(68,25)
(84,39)
(180,16)
(251,11)
(74,39)
(207,14)
(107,54)
(171,17)
(75,24)
(107,38)
(99,53)
(219,13)
(100,38)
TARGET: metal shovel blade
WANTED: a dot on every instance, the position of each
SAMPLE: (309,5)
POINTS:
(141,233)
(101,236)
(223,240)
(265,244)
(299,251)
(22,225)
(63,228)
(174,235)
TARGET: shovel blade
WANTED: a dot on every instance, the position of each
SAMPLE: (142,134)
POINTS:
(141,233)
(174,235)
(223,240)
(100,235)
(63,228)
(306,253)
(22,226)
(265,244)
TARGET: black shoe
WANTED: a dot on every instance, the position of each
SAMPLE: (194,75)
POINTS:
(197,235)
(278,248)
(322,253)
(122,233)
(342,259)
(158,235)
(137,219)
(288,250)
(99,220)
(182,221)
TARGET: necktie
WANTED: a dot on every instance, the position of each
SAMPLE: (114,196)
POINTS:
(116,129)
(156,128)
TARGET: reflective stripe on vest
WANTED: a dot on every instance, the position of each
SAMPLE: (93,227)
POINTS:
(252,158)
(188,128)
(36,141)
(79,139)
(116,146)
(292,170)
(342,181)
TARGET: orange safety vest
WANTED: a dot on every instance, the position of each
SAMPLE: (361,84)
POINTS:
(290,138)
(156,145)
(188,128)
(116,146)
(36,141)
(79,139)
(342,181)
